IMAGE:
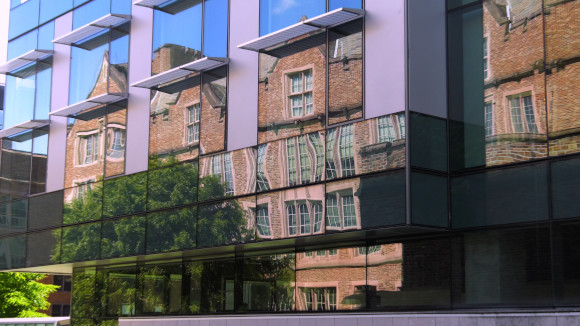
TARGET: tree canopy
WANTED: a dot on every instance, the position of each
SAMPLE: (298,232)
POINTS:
(21,295)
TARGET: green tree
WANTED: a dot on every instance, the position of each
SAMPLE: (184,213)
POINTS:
(21,295)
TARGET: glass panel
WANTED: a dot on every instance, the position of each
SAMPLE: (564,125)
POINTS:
(172,186)
(80,243)
(171,230)
(83,203)
(119,62)
(43,248)
(409,274)
(365,202)
(335,4)
(218,171)
(172,47)
(85,151)
(13,217)
(429,199)
(215,41)
(174,123)
(345,72)
(566,262)
(451,4)
(43,90)
(121,7)
(13,253)
(50,9)
(120,292)
(561,46)
(86,293)
(565,187)
(15,169)
(291,88)
(93,10)
(290,213)
(22,44)
(213,112)
(211,285)
(23,18)
(331,282)
(268,282)
(278,14)
(19,97)
(116,139)
(509,267)
(498,197)
(89,73)
(160,291)
(125,195)
(429,144)
(122,238)
(45,210)
(227,222)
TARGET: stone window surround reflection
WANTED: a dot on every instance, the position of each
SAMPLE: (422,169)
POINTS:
(192,123)
(527,124)
(301,164)
(89,141)
(312,209)
(221,166)
(387,123)
(319,298)
(337,204)
(288,94)
(116,141)
(340,165)
(489,124)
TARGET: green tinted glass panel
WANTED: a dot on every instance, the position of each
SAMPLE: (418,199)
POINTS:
(125,195)
(122,238)
(171,230)
(172,186)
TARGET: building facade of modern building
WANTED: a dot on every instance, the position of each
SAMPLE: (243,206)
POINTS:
(219,157)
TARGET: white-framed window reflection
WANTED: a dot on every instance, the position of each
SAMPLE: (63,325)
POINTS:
(192,123)
(304,217)
(341,212)
(299,93)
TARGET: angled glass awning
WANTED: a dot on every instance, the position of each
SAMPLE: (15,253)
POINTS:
(25,59)
(330,19)
(201,65)
(91,103)
(93,28)
(21,127)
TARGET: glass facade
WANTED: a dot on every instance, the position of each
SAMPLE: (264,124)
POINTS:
(332,206)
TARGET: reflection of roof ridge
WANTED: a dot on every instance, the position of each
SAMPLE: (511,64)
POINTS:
(170,45)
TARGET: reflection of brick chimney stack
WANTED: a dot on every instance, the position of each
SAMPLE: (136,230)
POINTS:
(170,56)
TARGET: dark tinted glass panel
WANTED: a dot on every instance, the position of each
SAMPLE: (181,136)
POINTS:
(429,145)
(23,18)
(268,282)
(43,248)
(228,174)
(278,14)
(335,4)
(13,216)
(160,291)
(566,262)
(171,230)
(499,197)
(561,44)
(213,111)
(508,267)
(327,281)
(14,253)
(120,292)
(23,44)
(50,9)
(122,238)
(291,162)
(87,294)
(93,10)
(565,187)
(39,162)
(19,97)
(451,4)
(345,72)
(231,221)
(125,195)
(45,210)
(172,186)
(215,41)
(290,213)
(15,169)
(80,243)
(409,274)
(429,200)
(83,203)
(291,88)
(116,139)
(211,285)
(174,123)
(89,71)
(172,47)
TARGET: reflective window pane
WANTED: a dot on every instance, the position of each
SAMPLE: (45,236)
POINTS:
(19,97)
(13,254)
(215,28)
(22,44)
(278,14)
(120,291)
(80,243)
(86,293)
(335,4)
(125,195)
(15,169)
(23,18)
(160,291)
(89,71)
(211,285)
(83,203)
(50,9)
(429,197)
(566,262)
(565,186)
(43,248)
(116,140)
(228,222)
(13,217)
(172,186)
(45,210)
(429,144)
(91,11)
(213,113)
(227,174)
(171,230)
(123,238)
